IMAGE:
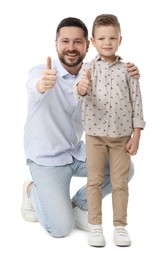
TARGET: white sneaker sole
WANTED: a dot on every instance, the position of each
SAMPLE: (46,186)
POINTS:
(96,243)
(122,244)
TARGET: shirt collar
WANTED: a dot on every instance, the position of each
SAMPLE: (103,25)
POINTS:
(60,69)
(99,58)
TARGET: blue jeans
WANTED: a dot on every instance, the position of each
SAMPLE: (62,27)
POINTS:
(50,195)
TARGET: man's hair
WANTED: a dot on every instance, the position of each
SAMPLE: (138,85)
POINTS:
(105,20)
(72,22)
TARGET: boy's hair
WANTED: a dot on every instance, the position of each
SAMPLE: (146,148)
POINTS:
(105,20)
(72,22)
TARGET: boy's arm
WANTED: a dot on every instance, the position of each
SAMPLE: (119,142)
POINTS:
(133,144)
(138,122)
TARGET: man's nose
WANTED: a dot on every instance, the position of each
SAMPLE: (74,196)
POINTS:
(71,46)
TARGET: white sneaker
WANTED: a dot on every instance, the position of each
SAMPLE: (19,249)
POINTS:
(96,237)
(121,236)
(81,219)
(27,210)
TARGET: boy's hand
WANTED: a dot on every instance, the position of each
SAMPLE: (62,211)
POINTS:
(83,85)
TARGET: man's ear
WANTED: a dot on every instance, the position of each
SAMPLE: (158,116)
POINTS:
(87,45)
(56,45)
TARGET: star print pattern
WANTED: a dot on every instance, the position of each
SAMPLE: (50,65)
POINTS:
(113,104)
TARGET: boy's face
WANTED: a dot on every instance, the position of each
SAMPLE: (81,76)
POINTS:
(106,40)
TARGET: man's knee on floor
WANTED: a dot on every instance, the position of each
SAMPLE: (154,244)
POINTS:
(60,230)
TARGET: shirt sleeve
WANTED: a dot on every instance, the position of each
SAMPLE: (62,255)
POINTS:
(136,101)
(33,77)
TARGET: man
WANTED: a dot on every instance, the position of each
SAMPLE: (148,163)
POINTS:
(53,131)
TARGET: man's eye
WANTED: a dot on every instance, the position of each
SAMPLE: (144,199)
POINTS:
(78,42)
(64,41)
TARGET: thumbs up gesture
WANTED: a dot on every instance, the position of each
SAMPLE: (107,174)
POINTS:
(48,78)
(83,85)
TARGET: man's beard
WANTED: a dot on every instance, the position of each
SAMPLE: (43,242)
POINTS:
(77,62)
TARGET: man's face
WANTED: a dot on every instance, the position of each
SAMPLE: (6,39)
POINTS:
(71,46)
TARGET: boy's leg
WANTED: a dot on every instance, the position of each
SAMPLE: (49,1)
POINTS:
(80,197)
(96,151)
(120,163)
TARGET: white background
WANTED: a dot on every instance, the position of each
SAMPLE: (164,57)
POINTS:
(27,33)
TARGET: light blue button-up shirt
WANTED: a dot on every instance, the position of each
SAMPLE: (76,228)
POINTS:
(53,128)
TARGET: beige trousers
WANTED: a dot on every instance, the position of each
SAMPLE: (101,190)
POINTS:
(97,149)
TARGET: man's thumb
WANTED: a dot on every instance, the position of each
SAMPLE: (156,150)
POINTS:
(49,62)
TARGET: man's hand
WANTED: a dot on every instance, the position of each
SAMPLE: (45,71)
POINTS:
(48,78)
(133,70)
(83,85)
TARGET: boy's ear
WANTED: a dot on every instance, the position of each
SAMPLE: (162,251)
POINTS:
(120,40)
(92,41)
